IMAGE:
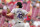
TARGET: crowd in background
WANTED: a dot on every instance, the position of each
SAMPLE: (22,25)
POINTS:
(7,6)
(36,11)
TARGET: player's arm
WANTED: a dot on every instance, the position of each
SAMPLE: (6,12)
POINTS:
(11,13)
(30,12)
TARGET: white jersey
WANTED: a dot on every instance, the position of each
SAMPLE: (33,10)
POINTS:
(22,25)
(19,13)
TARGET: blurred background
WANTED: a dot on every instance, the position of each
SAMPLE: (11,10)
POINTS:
(6,7)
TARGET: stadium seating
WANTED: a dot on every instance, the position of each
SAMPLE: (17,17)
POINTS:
(26,7)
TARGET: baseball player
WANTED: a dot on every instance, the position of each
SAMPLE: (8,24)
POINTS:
(18,13)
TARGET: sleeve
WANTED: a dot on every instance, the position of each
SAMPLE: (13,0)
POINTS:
(13,11)
(25,12)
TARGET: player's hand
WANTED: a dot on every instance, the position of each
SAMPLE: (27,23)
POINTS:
(9,14)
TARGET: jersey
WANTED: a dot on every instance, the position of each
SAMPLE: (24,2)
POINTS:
(19,13)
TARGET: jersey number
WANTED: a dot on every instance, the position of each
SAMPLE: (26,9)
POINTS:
(20,16)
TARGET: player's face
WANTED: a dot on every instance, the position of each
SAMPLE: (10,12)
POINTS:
(17,6)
